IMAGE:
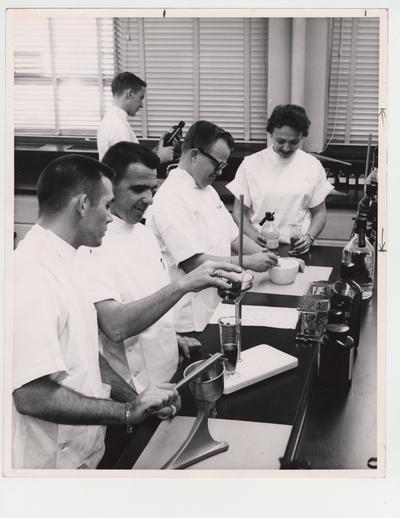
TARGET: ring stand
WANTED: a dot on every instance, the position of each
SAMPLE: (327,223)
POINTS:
(199,444)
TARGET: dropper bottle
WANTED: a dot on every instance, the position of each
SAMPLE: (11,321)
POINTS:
(269,231)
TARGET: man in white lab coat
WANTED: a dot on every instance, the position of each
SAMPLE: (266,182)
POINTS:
(192,224)
(60,391)
(130,282)
(128,93)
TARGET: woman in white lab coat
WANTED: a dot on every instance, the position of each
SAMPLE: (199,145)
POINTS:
(283,179)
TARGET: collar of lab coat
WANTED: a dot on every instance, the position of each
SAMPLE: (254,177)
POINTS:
(60,247)
(182,175)
(119,112)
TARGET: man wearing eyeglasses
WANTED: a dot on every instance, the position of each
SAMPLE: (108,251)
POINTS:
(192,224)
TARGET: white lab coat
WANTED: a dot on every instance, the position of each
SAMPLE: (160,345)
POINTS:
(128,267)
(55,333)
(289,187)
(188,220)
(114,128)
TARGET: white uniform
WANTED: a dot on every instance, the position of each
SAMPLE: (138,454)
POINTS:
(187,221)
(289,187)
(55,335)
(127,267)
(114,128)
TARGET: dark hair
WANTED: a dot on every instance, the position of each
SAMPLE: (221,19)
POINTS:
(204,134)
(121,155)
(125,80)
(67,176)
(290,115)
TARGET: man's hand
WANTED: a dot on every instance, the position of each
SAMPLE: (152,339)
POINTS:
(210,274)
(260,261)
(156,399)
(166,154)
(185,344)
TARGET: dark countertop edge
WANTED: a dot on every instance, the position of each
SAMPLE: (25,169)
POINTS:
(242,148)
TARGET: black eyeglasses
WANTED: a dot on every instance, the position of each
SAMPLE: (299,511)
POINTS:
(218,166)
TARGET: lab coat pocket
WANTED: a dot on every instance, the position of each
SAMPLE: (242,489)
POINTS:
(80,447)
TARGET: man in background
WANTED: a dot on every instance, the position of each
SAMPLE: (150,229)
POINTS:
(61,392)
(128,93)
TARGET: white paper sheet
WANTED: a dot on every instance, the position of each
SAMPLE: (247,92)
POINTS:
(251,445)
(284,318)
(262,283)
(258,363)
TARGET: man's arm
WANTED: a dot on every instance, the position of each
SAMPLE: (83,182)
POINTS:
(255,257)
(119,321)
(249,246)
(46,399)
(165,153)
(120,389)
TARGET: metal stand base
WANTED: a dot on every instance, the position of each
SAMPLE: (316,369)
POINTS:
(199,444)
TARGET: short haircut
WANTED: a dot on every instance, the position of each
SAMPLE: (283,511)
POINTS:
(290,115)
(124,81)
(121,155)
(204,134)
(67,176)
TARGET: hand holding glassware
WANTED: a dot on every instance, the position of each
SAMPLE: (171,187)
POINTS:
(295,235)
(237,288)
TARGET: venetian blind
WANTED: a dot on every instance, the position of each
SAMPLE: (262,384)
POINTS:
(63,69)
(198,68)
(353,103)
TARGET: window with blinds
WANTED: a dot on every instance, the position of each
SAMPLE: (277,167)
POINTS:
(195,68)
(198,68)
(353,101)
(63,68)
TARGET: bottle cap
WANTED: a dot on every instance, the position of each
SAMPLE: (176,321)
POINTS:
(338,330)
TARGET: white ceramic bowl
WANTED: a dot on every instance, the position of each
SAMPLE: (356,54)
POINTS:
(286,272)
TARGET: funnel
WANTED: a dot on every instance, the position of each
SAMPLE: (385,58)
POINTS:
(199,445)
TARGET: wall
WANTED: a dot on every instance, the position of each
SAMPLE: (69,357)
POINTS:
(298,70)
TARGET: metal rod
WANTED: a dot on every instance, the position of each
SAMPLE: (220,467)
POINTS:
(199,370)
(241,231)
(238,307)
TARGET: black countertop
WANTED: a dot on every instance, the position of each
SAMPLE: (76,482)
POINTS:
(331,429)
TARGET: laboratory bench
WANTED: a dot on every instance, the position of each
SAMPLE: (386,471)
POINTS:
(332,427)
